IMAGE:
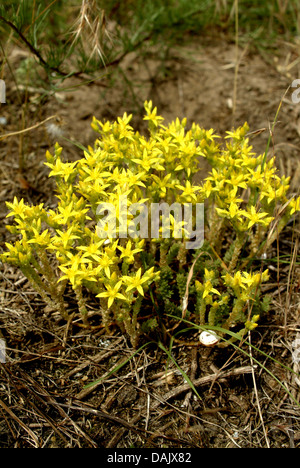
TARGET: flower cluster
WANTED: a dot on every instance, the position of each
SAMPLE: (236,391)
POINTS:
(116,258)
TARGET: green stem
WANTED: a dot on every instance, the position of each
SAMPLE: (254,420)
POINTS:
(128,317)
(202,311)
(35,281)
(31,274)
(212,315)
(163,255)
(215,228)
(125,268)
(81,304)
(106,317)
(182,255)
(56,291)
(234,315)
(238,245)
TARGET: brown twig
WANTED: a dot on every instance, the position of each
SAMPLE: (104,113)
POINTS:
(256,393)
(28,44)
(44,398)
(194,367)
(115,439)
(115,419)
(86,391)
(79,73)
(21,423)
(93,360)
(7,135)
(185,299)
(203,381)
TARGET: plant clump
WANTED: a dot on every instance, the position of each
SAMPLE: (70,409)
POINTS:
(102,237)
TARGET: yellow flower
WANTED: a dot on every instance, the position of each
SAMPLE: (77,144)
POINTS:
(294,205)
(237,181)
(239,134)
(257,218)
(122,129)
(106,262)
(165,145)
(206,288)
(269,193)
(127,178)
(64,170)
(209,289)
(209,274)
(17,208)
(245,280)
(232,212)
(161,184)
(64,237)
(72,269)
(252,324)
(18,254)
(188,192)
(112,293)
(234,281)
(66,213)
(92,250)
(135,282)
(92,174)
(152,114)
(128,253)
(42,239)
(148,162)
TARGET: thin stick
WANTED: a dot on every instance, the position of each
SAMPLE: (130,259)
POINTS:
(256,393)
(21,423)
(185,299)
(28,44)
(203,381)
(7,135)
(116,420)
(289,292)
(236,69)
(87,390)
(94,359)
(44,397)
(194,367)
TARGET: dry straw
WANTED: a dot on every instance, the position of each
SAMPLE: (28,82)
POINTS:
(90,28)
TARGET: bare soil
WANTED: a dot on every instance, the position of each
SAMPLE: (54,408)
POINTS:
(44,398)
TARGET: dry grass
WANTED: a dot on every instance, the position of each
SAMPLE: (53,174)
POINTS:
(141,401)
(90,28)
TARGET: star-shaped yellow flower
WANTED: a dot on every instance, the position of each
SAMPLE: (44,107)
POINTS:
(135,282)
(113,293)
